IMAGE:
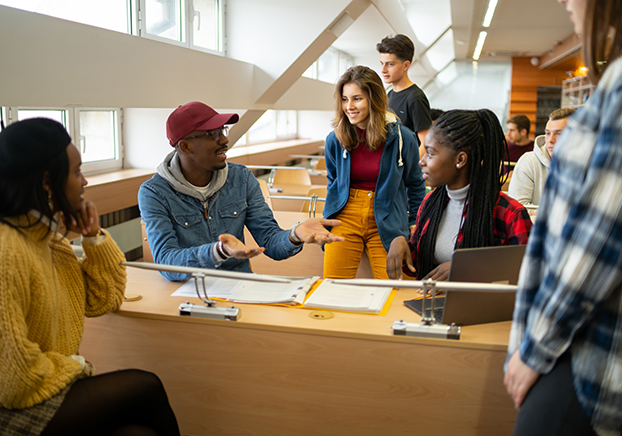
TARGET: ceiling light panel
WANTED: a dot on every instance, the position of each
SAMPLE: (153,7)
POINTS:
(480,44)
(492,5)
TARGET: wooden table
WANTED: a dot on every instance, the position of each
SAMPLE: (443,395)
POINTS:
(278,371)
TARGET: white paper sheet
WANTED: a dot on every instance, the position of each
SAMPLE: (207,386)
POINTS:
(245,291)
(332,295)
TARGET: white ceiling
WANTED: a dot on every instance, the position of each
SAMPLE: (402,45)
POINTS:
(519,28)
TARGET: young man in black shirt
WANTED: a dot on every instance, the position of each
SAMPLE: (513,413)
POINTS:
(406,99)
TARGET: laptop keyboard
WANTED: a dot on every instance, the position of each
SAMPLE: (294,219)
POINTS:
(438,314)
(415,305)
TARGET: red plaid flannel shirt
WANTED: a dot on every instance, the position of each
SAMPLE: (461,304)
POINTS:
(511,224)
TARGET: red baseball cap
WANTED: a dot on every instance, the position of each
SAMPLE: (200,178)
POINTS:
(195,116)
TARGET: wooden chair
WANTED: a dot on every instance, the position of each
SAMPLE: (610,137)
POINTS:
(147,256)
(314,208)
(506,185)
(299,176)
(320,164)
(266,192)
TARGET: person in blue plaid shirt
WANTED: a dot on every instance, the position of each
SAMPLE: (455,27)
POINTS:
(564,367)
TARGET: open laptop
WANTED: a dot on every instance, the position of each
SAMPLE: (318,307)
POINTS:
(480,265)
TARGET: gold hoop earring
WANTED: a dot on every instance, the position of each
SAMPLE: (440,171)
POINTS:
(50,201)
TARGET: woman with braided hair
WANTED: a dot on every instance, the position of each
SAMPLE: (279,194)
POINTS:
(464,151)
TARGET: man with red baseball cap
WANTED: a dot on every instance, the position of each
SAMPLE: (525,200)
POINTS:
(196,207)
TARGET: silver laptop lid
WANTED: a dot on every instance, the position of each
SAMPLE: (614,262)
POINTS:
(483,265)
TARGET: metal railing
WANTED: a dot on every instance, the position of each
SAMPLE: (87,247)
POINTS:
(312,199)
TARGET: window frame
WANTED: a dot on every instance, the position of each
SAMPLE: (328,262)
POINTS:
(108,164)
(72,118)
(339,60)
(186,23)
(244,139)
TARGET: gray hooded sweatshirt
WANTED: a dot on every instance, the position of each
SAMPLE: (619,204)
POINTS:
(170,170)
(530,174)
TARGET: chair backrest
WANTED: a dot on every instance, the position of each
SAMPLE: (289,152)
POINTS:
(319,205)
(298,176)
(320,165)
(506,186)
(265,191)
(147,256)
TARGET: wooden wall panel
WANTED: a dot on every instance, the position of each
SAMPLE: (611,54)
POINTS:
(525,81)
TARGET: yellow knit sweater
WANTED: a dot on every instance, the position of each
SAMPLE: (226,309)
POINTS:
(45,293)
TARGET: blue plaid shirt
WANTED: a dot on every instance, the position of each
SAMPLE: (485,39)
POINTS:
(570,285)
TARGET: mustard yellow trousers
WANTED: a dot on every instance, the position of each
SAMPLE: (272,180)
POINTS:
(358,228)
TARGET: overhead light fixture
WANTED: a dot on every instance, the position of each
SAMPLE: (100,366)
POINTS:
(492,5)
(480,44)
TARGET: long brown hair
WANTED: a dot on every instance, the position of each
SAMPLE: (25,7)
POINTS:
(371,85)
(598,49)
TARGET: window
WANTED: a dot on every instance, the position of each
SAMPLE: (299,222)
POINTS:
(272,126)
(192,23)
(327,66)
(162,19)
(345,62)
(96,132)
(330,66)
(264,129)
(205,19)
(286,124)
(311,72)
(196,24)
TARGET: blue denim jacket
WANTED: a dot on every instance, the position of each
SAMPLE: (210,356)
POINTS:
(400,187)
(181,231)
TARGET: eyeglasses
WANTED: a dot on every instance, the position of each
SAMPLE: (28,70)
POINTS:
(216,133)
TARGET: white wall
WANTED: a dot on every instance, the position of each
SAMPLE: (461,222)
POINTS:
(315,124)
(144,136)
(63,63)
(273,27)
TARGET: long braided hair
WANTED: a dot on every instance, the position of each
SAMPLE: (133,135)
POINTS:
(479,135)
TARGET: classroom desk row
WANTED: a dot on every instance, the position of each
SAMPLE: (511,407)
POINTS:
(278,371)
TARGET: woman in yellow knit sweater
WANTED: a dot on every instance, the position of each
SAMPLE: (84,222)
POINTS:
(46,388)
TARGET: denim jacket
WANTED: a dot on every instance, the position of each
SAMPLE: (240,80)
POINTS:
(182,230)
(400,187)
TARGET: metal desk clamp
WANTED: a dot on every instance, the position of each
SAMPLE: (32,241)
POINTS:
(427,328)
(209,310)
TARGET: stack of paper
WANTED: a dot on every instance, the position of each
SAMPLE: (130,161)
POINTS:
(349,298)
(290,290)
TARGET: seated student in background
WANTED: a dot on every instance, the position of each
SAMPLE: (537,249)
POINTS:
(196,207)
(46,291)
(374,180)
(532,168)
(518,140)
(467,209)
